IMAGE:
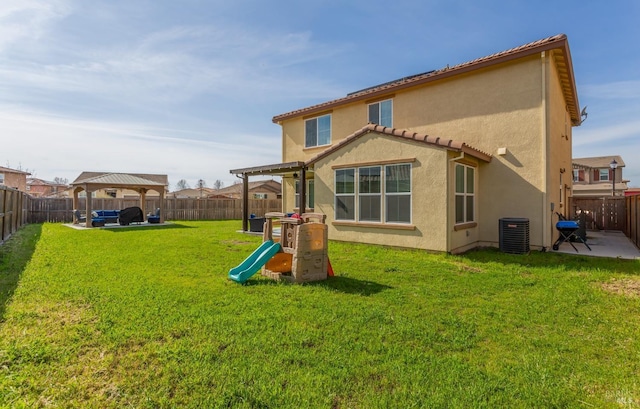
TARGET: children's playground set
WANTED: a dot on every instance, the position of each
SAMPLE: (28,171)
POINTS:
(299,256)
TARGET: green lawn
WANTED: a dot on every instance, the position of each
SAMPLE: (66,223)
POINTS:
(146,318)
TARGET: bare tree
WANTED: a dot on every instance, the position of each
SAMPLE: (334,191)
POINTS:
(218,184)
(60,181)
(182,184)
(201,185)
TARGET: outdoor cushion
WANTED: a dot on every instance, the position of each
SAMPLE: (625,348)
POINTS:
(567,224)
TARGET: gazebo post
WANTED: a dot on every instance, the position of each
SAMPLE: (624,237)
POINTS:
(88,206)
(162,207)
(143,200)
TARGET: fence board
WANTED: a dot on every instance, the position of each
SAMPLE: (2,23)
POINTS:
(11,211)
(40,210)
(604,213)
(633,219)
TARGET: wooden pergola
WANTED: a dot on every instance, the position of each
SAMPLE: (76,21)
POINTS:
(138,182)
(297,169)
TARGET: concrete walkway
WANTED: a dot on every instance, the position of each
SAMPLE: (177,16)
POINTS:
(604,243)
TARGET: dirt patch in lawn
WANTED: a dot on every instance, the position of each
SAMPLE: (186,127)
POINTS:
(627,287)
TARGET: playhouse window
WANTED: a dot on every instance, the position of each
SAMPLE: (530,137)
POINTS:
(317,131)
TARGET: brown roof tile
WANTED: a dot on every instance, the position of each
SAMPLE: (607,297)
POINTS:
(559,42)
(405,134)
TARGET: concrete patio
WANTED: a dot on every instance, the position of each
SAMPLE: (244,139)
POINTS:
(604,243)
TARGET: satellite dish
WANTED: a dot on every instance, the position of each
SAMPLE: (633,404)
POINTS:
(583,114)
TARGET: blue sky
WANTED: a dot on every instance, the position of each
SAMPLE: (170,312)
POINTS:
(188,88)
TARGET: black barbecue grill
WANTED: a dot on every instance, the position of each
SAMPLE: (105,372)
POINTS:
(568,232)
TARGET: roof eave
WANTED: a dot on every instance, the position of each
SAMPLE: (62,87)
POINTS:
(555,42)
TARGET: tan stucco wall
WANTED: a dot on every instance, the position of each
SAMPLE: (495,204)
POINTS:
(428,195)
(517,105)
(559,141)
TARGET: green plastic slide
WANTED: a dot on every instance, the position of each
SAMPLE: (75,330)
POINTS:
(254,262)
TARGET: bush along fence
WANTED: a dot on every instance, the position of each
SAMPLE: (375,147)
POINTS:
(12,215)
(40,210)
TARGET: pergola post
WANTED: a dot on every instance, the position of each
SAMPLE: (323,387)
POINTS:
(245,202)
(303,191)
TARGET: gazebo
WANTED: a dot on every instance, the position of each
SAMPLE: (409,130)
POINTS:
(141,183)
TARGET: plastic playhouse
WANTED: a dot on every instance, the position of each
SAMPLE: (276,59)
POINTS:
(299,256)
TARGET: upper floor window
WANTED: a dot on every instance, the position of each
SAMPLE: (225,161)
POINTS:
(381,113)
(604,174)
(578,175)
(317,131)
(1,178)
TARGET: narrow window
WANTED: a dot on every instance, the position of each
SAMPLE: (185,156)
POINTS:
(310,194)
(381,113)
(345,194)
(398,193)
(464,193)
(317,131)
(369,195)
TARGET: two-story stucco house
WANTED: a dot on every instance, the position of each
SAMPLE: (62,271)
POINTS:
(434,161)
(598,176)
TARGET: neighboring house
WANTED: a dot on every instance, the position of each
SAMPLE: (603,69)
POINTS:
(44,188)
(632,191)
(594,177)
(262,189)
(192,193)
(14,178)
(455,151)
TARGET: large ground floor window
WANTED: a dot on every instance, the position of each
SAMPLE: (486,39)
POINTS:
(374,194)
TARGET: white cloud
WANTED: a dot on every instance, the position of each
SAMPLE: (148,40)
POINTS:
(59,146)
(614,90)
(27,19)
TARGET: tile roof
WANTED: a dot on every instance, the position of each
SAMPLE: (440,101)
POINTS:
(597,161)
(435,141)
(117,179)
(9,170)
(559,42)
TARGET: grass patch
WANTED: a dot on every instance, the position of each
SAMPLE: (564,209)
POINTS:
(147,318)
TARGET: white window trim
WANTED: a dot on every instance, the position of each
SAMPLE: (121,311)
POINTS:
(336,195)
(383,196)
(603,172)
(317,118)
(380,110)
(466,194)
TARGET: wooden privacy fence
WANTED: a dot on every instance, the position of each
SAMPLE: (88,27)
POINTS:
(12,215)
(41,210)
(603,213)
(633,219)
